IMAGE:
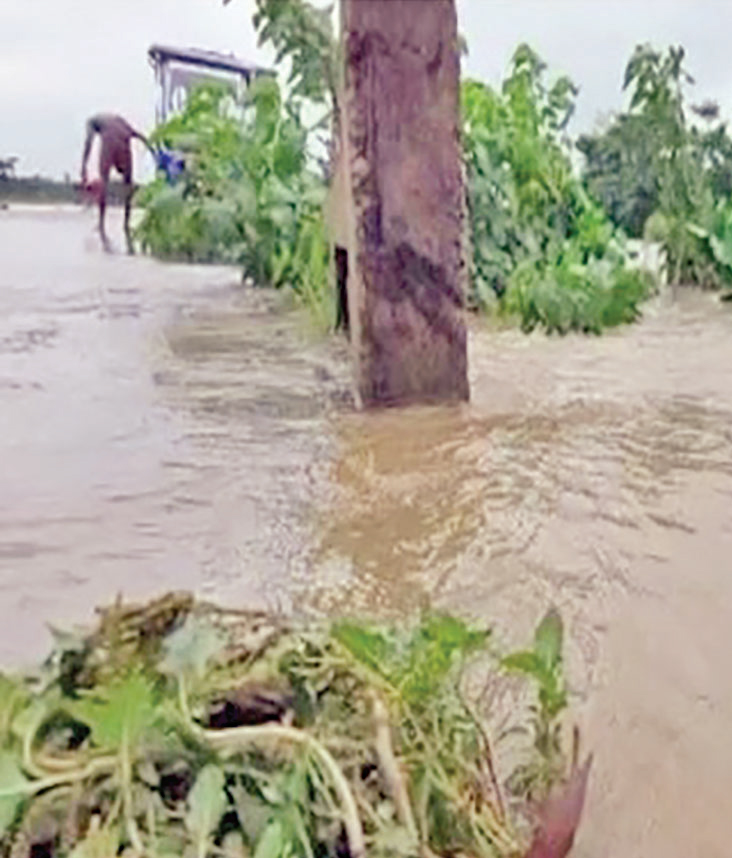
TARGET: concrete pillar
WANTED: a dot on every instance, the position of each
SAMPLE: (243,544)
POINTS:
(397,204)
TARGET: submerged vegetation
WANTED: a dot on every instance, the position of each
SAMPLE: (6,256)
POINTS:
(176,728)
(549,237)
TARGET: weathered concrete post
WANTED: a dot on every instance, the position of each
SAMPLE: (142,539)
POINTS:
(397,203)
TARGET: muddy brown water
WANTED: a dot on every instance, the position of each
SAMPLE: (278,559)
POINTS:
(161,426)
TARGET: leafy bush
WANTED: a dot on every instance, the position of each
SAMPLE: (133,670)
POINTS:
(539,242)
(247,195)
(661,177)
(565,294)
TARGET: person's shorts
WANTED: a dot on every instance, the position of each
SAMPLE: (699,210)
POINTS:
(119,156)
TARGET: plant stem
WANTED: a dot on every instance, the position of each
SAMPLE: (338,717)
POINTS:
(126,776)
(183,699)
(390,769)
(489,761)
(95,767)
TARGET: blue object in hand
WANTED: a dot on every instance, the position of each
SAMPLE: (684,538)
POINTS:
(170,163)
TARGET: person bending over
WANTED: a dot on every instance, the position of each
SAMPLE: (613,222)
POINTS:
(115,135)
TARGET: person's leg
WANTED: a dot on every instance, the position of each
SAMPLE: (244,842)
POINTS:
(129,192)
(104,183)
(105,165)
(124,165)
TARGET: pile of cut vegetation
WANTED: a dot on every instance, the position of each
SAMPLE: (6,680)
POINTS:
(176,728)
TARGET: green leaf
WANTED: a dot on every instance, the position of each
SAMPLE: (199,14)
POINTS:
(254,813)
(722,250)
(525,662)
(189,649)
(548,639)
(272,843)
(206,805)
(437,645)
(420,660)
(369,646)
(120,713)
(451,633)
(245,196)
(13,785)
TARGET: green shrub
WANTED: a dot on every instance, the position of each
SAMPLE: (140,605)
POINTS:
(660,176)
(539,242)
(565,294)
(247,195)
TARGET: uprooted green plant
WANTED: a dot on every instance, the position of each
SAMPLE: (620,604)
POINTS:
(179,729)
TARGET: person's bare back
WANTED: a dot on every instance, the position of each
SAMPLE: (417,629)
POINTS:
(115,135)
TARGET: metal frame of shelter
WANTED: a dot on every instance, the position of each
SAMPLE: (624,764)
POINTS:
(178,69)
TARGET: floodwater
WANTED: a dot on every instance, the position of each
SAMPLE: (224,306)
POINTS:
(163,427)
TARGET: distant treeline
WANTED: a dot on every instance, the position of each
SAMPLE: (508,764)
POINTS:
(37,189)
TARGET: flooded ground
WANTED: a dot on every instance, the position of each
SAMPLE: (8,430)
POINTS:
(162,427)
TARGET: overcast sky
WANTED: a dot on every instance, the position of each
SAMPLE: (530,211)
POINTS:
(62,60)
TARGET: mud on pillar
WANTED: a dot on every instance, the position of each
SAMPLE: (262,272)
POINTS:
(399,200)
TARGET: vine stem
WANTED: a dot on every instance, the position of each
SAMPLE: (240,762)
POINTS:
(95,767)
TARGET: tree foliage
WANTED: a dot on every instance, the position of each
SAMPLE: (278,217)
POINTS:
(247,195)
(302,34)
(661,174)
(543,248)
(539,242)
